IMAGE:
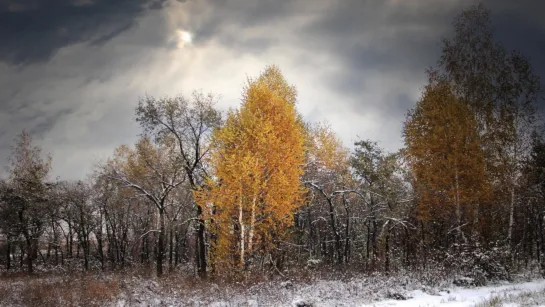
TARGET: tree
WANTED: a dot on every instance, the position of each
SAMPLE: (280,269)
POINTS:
(444,153)
(381,185)
(153,171)
(78,213)
(8,217)
(501,89)
(25,196)
(328,177)
(326,150)
(257,161)
(534,180)
(190,124)
(122,211)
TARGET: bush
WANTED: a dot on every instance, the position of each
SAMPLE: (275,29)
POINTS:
(478,265)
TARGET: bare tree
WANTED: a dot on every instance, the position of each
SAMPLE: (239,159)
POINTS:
(25,197)
(154,172)
(190,123)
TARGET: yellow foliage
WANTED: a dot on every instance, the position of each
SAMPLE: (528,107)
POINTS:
(257,162)
(326,149)
(445,155)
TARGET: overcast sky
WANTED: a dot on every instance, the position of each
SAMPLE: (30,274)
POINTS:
(72,71)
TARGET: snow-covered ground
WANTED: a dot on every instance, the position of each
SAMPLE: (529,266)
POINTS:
(466,297)
(356,292)
(406,289)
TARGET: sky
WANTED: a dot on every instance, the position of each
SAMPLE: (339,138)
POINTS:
(72,71)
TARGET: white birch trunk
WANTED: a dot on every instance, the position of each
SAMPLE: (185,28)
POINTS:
(458,208)
(457,203)
(242,233)
(252,225)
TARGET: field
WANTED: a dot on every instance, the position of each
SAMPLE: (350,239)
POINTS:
(140,289)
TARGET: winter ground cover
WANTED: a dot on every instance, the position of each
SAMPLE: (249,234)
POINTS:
(519,294)
(407,289)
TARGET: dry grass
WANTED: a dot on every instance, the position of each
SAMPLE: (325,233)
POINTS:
(59,291)
(523,299)
(138,285)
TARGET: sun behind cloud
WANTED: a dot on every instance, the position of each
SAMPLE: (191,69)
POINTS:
(183,38)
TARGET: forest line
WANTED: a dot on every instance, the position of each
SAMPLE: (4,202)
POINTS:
(260,190)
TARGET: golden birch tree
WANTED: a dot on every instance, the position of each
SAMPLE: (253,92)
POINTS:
(257,163)
(444,153)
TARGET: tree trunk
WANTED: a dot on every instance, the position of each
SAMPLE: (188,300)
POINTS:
(161,241)
(30,253)
(387,251)
(511,217)
(335,232)
(176,247)
(407,247)
(56,255)
(201,253)
(144,252)
(252,225)
(368,239)
(8,254)
(109,249)
(457,204)
(99,243)
(55,241)
(374,242)
(542,251)
(21,255)
(86,252)
(242,233)
(171,247)
(69,245)
(423,243)
(347,232)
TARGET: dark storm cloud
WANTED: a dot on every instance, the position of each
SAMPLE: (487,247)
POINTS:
(524,32)
(408,39)
(408,36)
(33,31)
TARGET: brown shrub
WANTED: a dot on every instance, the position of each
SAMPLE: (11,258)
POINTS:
(65,291)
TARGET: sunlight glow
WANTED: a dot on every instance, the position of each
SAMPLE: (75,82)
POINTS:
(184,38)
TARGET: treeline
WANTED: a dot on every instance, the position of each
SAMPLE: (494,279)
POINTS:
(261,190)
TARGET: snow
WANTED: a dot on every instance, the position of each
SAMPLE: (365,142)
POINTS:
(359,291)
(461,296)
(322,293)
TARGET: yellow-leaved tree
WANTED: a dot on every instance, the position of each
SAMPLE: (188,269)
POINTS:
(255,185)
(444,153)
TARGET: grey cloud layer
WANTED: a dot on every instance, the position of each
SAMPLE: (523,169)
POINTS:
(35,30)
(73,76)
